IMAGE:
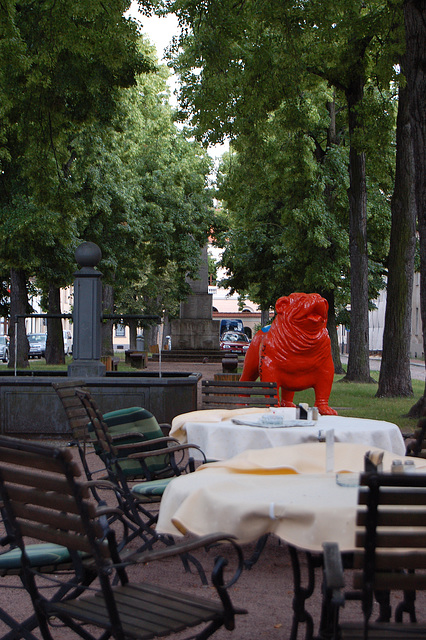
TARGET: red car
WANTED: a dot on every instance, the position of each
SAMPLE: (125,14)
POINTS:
(234,342)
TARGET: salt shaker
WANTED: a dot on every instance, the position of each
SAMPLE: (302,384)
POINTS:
(397,466)
(409,466)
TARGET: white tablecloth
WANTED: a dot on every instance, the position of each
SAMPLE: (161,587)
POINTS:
(283,491)
(220,438)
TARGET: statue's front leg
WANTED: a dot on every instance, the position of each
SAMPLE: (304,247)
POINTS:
(287,398)
(322,394)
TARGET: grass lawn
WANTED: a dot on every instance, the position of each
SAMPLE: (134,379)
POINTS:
(358,400)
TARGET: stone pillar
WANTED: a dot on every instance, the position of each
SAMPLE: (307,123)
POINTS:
(196,330)
(87,314)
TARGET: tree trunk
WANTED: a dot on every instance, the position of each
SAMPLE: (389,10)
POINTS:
(107,348)
(151,335)
(332,139)
(332,332)
(18,306)
(415,72)
(55,337)
(358,362)
(133,331)
(395,374)
(264,317)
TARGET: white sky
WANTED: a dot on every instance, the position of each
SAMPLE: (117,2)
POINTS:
(161,31)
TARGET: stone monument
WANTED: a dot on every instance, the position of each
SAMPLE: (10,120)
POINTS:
(87,314)
(196,330)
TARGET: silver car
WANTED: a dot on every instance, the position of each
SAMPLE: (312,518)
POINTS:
(37,343)
(4,348)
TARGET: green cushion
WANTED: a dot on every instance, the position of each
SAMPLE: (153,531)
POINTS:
(151,489)
(141,422)
(43,554)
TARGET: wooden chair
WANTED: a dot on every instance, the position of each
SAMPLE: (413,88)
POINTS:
(390,555)
(46,559)
(416,444)
(46,500)
(134,432)
(134,500)
(225,394)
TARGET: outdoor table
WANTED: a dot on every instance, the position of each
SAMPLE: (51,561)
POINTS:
(216,433)
(285,491)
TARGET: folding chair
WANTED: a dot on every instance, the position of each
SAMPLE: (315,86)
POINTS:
(416,444)
(45,559)
(132,500)
(390,555)
(144,453)
(45,499)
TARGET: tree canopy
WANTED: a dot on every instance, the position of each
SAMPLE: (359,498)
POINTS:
(241,62)
(89,150)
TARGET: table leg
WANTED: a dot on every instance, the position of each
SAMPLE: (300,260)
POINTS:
(302,593)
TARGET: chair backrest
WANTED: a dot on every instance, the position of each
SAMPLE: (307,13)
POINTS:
(76,413)
(390,537)
(96,425)
(225,394)
(136,425)
(44,498)
(133,425)
(416,445)
(135,422)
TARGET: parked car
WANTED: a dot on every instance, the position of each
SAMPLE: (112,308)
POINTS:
(4,348)
(37,343)
(234,342)
(230,324)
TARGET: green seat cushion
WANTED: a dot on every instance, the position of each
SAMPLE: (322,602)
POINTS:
(151,489)
(39,555)
(145,427)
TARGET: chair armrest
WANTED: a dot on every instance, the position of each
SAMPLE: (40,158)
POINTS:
(333,572)
(101,483)
(410,445)
(176,549)
(205,542)
(217,576)
(165,428)
(143,444)
(158,452)
(138,437)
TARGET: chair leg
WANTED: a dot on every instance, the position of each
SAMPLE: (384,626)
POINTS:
(18,629)
(408,605)
(260,545)
(385,609)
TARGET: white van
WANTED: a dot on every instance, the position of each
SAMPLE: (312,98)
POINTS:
(67,343)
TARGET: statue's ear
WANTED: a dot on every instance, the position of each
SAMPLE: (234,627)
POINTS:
(282,303)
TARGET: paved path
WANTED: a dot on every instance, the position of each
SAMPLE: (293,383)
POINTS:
(417,366)
(209,369)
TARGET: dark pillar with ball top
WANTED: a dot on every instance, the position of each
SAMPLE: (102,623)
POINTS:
(87,314)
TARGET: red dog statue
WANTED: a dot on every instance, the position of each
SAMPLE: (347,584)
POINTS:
(295,351)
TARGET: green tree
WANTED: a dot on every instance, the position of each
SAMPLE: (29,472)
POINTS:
(285,194)
(61,65)
(146,202)
(239,61)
